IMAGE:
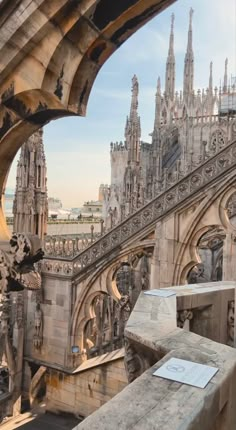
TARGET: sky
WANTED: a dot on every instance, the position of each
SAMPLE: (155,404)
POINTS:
(77,149)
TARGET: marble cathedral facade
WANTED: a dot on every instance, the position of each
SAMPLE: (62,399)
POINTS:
(188,127)
(30,207)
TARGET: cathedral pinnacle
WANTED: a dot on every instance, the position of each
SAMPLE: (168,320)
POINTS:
(211,79)
(225,86)
(170,65)
(30,203)
(134,102)
(158,105)
(171,44)
(189,61)
(133,128)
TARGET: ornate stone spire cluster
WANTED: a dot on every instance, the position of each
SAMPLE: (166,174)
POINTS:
(30,202)
(188,126)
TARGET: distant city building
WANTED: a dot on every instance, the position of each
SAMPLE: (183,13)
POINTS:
(75,211)
(92,208)
(8,202)
(55,209)
(54,204)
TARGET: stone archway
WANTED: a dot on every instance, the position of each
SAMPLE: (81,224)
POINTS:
(210,251)
(50,58)
(103,283)
(212,224)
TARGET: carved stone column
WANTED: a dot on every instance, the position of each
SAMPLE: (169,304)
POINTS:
(184,317)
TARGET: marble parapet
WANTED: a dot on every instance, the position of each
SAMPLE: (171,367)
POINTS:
(152,338)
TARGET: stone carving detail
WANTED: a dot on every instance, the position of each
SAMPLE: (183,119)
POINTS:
(133,363)
(105,332)
(217,141)
(17,266)
(5,313)
(20,310)
(30,201)
(183,316)
(230,321)
(17,272)
(38,327)
(234,130)
(231,206)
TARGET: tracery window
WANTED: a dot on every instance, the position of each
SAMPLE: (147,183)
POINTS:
(217,141)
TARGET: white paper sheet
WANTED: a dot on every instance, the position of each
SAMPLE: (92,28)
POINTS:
(186,372)
(160,293)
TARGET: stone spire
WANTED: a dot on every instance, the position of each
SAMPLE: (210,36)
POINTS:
(211,79)
(30,202)
(189,61)
(158,105)
(225,86)
(133,128)
(170,65)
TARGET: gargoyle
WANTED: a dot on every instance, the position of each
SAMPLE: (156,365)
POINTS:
(17,269)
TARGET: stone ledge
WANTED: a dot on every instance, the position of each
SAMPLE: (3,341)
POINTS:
(155,403)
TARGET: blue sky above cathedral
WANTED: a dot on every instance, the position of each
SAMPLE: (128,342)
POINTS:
(77,149)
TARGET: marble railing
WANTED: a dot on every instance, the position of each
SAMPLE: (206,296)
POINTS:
(208,173)
(152,338)
(68,245)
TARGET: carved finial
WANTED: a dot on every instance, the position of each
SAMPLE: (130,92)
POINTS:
(190,29)
(189,61)
(172,22)
(226,76)
(191,16)
(170,64)
(133,128)
(158,104)
(134,102)
(211,78)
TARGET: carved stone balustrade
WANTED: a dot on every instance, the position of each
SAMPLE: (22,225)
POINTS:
(68,246)
(152,337)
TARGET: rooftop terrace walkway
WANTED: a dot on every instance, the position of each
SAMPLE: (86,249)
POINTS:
(152,338)
(31,421)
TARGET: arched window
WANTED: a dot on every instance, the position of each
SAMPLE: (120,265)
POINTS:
(217,141)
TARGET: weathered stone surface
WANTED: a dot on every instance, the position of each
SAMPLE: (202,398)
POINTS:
(94,383)
(155,403)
